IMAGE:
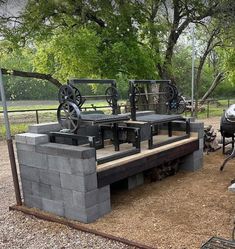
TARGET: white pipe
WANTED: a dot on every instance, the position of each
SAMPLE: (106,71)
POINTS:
(193,60)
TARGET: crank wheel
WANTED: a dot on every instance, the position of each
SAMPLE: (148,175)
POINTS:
(66,92)
(136,93)
(78,97)
(111,94)
(169,92)
(68,116)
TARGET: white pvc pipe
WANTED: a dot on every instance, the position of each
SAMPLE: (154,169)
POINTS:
(4,104)
(192,84)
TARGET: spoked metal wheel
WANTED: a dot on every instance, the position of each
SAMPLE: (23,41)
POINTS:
(136,93)
(68,115)
(78,97)
(66,92)
(111,94)
(169,92)
(177,105)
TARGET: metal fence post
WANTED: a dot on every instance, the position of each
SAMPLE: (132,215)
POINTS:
(208,109)
(37,118)
(10,144)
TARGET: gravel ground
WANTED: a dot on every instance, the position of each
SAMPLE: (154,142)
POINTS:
(22,231)
(179,212)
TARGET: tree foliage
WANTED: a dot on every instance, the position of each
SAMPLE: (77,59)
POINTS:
(119,39)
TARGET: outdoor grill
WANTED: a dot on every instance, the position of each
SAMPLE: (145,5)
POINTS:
(97,129)
(227,126)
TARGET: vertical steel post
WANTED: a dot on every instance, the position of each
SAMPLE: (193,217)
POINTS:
(37,118)
(10,144)
(192,84)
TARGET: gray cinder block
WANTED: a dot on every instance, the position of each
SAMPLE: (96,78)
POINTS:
(50,178)
(44,127)
(193,161)
(56,193)
(25,147)
(26,186)
(31,138)
(29,173)
(136,180)
(32,159)
(104,193)
(87,199)
(59,164)
(41,190)
(53,206)
(82,166)
(33,201)
(104,207)
(79,183)
(65,150)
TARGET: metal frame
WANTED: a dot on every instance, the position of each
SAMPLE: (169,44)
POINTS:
(110,82)
(132,85)
(91,140)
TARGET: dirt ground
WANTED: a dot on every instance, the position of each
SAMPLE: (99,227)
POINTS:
(179,212)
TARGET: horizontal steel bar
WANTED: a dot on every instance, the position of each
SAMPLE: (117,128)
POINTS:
(92,81)
(149,81)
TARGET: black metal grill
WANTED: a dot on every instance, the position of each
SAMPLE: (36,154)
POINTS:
(159,118)
(218,243)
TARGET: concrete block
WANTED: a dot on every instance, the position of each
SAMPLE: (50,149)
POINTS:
(132,182)
(83,166)
(87,199)
(201,143)
(68,196)
(41,190)
(26,186)
(59,164)
(82,152)
(52,206)
(197,127)
(139,179)
(104,193)
(44,127)
(29,173)
(25,147)
(33,201)
(192,163)
(104,207)
(30,138)
(79,183)
(32,159)
(56,193)
(50,178)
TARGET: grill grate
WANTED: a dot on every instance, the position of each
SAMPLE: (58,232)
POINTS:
(101,118)
(218,243)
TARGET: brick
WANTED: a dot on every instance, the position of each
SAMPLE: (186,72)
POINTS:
(104,193)
(32,159)
(31,138)
(44,127)
(52,206)
(83,152)
(33,201)
(201,143)
(25,147)
(83,166)
(104,207)
(29,173)
(79,183)
(50,178)
(59,164)
(20,138)
(68,196)
(41,190)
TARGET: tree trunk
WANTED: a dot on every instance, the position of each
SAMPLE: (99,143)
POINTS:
(32,75)
(219,77)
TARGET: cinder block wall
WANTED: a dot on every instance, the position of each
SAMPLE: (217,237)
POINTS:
(194,161)
(60,178)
